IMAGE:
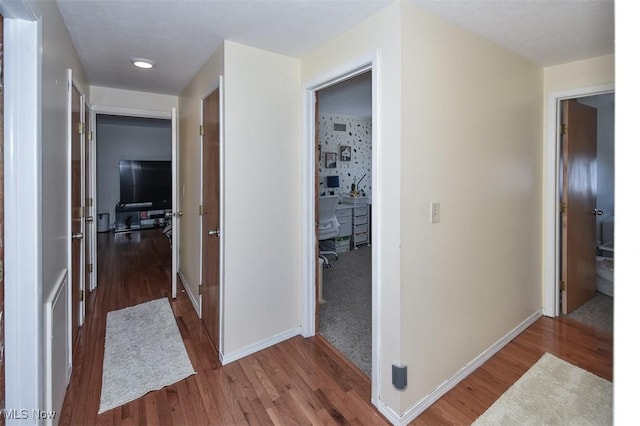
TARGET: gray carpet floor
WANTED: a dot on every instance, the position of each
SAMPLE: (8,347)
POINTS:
(345,318)
(597,312)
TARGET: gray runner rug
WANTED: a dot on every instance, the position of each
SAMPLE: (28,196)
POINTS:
(143,352)
(553,392)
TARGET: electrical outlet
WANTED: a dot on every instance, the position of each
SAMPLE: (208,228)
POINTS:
(435,212)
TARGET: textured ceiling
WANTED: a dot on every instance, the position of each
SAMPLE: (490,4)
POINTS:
(180,35)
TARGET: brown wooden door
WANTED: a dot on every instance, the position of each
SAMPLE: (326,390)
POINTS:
(77,217)
(579,151)
(211,215)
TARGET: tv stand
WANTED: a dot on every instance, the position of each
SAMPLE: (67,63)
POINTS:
(132,217)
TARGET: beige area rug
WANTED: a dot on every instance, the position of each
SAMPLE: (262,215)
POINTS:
(143,351)
(553,392)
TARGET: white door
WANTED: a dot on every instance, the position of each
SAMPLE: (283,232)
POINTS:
(176,213)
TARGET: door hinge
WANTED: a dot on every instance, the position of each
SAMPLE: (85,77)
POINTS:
(563,285)
(201,130)
(90,267)
(81,128)
(199,289)
(200,209)
(82,295)
(563,208)
(563,129)
(90,136)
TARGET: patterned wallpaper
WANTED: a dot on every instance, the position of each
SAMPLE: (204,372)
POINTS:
(357,139)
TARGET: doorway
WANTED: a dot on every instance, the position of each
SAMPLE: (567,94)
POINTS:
(134,181)
(344,197)
(587,209)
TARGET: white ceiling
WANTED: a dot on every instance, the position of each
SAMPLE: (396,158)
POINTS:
(180,35)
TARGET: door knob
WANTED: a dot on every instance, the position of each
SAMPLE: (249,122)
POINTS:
(214,232)
(77,236)
(597,212)
(89,218)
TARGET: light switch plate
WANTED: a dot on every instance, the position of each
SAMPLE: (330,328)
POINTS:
(435,212)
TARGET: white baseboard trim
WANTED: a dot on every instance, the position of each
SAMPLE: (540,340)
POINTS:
(258,346)
(389,413)
(413,412)
(192,297)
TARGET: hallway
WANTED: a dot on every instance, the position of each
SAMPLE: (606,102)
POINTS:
(297,381)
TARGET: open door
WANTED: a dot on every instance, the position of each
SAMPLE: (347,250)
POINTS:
(211,215)
(578,208)
(77,212)
(175,222)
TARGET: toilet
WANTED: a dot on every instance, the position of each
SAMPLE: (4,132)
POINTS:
(604,262)
(604,268)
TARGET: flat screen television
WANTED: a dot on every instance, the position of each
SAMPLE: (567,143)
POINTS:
(145,182)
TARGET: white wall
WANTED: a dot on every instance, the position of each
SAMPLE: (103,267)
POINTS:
(141,140)
(470,140)
(48,215)
(262,219)
(190,156)
(107,98)
(574,75)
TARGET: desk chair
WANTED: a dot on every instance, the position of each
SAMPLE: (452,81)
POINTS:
(328,225)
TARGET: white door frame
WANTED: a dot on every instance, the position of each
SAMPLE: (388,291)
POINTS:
(552,229)
(175,208)
(308,151)
(81,310)
(23,205)
(166,115)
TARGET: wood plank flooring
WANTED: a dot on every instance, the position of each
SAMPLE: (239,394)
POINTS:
(580,345)
(299,381)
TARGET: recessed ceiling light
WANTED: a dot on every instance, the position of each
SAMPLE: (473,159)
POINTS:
(142,63)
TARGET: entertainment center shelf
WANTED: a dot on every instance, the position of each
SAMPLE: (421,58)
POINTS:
(134,217)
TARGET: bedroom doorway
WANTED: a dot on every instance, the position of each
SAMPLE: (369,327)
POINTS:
(587,213)
(344,183)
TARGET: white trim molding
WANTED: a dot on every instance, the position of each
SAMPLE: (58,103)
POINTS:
(258,346)
(551,198)
(192,296)
(130,112)
(24,348)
